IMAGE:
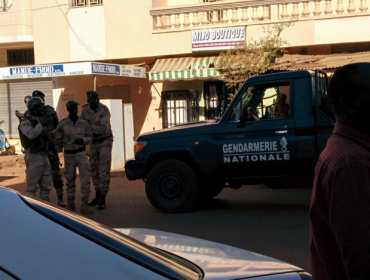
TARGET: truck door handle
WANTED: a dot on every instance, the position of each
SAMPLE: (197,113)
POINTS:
(281,131)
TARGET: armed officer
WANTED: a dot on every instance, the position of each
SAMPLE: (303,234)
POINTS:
(98,116)
(34,139)
(51,115)
(73,134)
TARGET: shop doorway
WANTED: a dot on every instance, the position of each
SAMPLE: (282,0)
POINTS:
(216,97)
(179,106)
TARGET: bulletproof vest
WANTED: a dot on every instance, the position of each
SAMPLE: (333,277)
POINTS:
(38,144)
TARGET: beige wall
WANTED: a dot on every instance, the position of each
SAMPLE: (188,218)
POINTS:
(145,112)
(123,29)
(88,38)
(51,31)
(16,23)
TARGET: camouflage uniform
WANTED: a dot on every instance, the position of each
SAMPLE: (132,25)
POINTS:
(52,116)
(75,155)
(101,146)
(34,140)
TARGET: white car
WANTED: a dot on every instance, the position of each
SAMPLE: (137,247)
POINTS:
(41,241)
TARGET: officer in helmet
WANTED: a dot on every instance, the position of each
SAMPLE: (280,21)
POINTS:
(52,118)
(34,138)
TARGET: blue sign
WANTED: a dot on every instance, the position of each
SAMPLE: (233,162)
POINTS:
(100,68)
(37,69)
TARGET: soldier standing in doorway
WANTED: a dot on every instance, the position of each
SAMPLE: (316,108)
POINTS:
(51,115)
(73,134)
(34,138)
(98,116)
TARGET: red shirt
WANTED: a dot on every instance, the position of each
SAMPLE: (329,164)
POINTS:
(340,208)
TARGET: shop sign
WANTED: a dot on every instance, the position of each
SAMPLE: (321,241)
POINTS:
(118,70)
(70,69)
(217,39)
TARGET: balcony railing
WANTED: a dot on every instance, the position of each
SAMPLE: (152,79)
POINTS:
(237,12)
(85,3)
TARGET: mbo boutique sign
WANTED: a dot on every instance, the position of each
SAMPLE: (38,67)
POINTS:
(217,39)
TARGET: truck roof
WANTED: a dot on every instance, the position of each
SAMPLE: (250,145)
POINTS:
(282,75)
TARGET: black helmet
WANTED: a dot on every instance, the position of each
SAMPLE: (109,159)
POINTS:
(38,93)
(33,102)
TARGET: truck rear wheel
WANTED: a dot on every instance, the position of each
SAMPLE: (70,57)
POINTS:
(172,186)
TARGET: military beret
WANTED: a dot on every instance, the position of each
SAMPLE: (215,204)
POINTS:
(92,93)
(38,93)
(71,103)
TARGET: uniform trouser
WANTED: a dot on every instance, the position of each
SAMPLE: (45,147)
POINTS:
(71,162)
(55,171)
(38,171)
(100,162)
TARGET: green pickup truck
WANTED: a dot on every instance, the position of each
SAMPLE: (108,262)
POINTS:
(272,133)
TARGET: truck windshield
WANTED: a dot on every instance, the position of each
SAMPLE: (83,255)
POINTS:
(247,95)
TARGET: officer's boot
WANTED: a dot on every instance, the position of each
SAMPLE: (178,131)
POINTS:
(101,203)
(59,192)
(95,201)
(85,207)
(71,204)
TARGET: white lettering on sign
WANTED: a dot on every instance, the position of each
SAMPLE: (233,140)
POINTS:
(256,151)
(220,38)
(99,68)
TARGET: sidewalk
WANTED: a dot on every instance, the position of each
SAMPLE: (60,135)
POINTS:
(13,169)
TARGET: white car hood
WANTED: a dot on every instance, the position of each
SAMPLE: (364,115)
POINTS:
(218,261)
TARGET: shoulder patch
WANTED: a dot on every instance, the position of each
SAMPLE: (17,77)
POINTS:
(26,123)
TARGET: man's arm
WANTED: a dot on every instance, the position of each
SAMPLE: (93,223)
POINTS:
(29,131)
(55,120)
(103,125)
(349,217)
(88,134)
(59,134)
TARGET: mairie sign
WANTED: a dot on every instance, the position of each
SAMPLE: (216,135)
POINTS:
(71,69)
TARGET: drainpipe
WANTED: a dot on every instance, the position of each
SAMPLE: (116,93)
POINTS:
(94,82)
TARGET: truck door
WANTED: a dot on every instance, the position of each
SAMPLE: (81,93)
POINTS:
(263,145)
(324,114)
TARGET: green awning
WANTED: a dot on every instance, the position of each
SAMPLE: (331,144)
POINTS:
(184,68)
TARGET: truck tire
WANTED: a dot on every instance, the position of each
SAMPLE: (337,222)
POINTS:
(172,186)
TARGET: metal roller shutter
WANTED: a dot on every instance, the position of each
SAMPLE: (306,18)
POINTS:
(18,91)
(4,114)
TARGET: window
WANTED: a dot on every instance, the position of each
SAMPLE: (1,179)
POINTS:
(263,102)
(179,107)
(21,57)
(86,3)
(5,5)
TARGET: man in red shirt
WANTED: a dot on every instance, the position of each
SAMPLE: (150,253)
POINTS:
(340,205)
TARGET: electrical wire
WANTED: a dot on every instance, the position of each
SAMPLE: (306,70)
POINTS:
(92,52)
(36,9)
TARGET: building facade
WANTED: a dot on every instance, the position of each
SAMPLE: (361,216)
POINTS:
(176,42)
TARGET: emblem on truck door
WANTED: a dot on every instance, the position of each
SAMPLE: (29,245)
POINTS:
(283,143)
(256,151)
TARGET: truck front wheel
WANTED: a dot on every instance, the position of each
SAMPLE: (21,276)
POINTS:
(172,186)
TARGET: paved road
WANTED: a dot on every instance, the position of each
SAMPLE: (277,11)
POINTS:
(256,218)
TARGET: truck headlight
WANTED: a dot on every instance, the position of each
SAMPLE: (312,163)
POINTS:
(139,146)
